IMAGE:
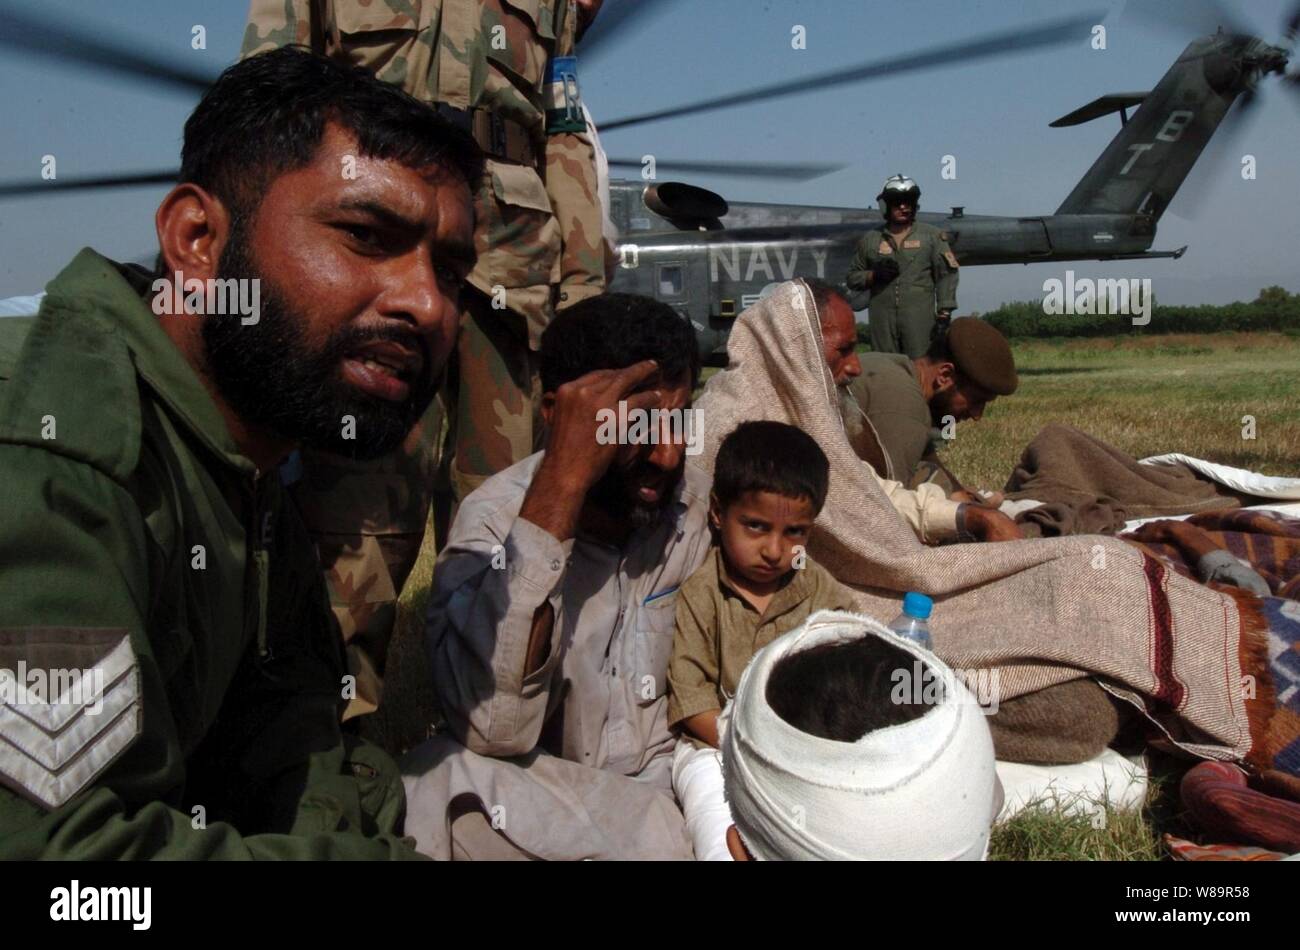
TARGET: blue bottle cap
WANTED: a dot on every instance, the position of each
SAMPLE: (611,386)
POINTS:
(917,605)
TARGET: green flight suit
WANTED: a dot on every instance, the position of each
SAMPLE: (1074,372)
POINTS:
(902,312)
(129,516)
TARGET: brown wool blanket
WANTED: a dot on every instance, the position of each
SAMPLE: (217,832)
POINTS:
(1089,487)
(1040,612)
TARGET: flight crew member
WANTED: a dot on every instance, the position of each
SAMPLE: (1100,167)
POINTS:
(909,271)
(893,409)
(145,536)
(505,69)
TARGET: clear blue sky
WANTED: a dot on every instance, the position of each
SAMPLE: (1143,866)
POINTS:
(991,115)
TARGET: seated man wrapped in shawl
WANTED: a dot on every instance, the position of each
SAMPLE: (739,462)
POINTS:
(927,508)
(1056,617)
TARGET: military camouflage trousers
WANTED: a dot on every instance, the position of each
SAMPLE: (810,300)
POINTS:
(495,393)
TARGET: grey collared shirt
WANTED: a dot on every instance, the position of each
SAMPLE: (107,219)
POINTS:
(599,699)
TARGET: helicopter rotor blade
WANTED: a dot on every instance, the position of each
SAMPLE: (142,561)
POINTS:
(790,171)
(24,188)
(1219,160)
(1187,18)
(64,43)
(1000,44)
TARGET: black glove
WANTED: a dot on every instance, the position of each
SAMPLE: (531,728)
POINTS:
(883,271)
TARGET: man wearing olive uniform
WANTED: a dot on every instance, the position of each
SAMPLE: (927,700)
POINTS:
(893,410)
(504,70)
(149,550)
(909,271)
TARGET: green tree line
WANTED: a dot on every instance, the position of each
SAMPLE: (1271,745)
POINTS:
(1274,309)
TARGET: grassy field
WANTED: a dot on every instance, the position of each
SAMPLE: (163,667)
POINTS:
(1147,396)
(1143,395)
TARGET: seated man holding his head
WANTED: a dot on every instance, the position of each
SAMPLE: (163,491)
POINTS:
(846,742)
(551,615)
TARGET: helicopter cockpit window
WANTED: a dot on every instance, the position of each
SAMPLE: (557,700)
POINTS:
(672,282)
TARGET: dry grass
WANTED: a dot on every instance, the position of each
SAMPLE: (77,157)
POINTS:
(1147,396)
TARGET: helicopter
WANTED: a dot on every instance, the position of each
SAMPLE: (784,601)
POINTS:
(710,258)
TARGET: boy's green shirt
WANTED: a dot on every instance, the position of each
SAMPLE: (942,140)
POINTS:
(718,631)
(127,511)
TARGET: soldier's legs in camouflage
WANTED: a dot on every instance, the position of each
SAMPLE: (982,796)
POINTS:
(368,520)
(914,331)
(884,335)
(497,394)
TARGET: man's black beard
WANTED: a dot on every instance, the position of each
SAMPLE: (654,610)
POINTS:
(940,406)
(273,379)
(610,495)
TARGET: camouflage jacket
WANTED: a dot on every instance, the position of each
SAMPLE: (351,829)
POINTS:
(539,228)
(927,278)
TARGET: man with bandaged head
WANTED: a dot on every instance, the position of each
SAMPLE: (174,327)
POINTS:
(846,742)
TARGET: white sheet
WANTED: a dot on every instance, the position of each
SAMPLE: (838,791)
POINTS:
(1290,509)
(1238,479)
(1080,789)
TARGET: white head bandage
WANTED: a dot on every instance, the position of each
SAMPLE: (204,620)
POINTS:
(920,790)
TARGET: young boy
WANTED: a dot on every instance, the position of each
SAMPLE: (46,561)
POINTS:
(769,484)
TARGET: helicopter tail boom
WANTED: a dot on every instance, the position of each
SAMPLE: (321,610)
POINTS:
(1144,165)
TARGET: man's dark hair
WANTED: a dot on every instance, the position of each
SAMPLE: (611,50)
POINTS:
(842,691)
(772,457)
(822,293)
(613,331)
(266,116)
(939,351)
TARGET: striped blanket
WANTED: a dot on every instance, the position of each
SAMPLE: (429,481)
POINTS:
(1267,541)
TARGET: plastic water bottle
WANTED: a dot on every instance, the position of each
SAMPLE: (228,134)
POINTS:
(913,623)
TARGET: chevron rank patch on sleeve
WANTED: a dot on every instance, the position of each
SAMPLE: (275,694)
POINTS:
(69,706)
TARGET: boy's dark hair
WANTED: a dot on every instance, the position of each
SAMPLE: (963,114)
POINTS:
(772,457)
(842,691)
(266,115)
(613,331)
